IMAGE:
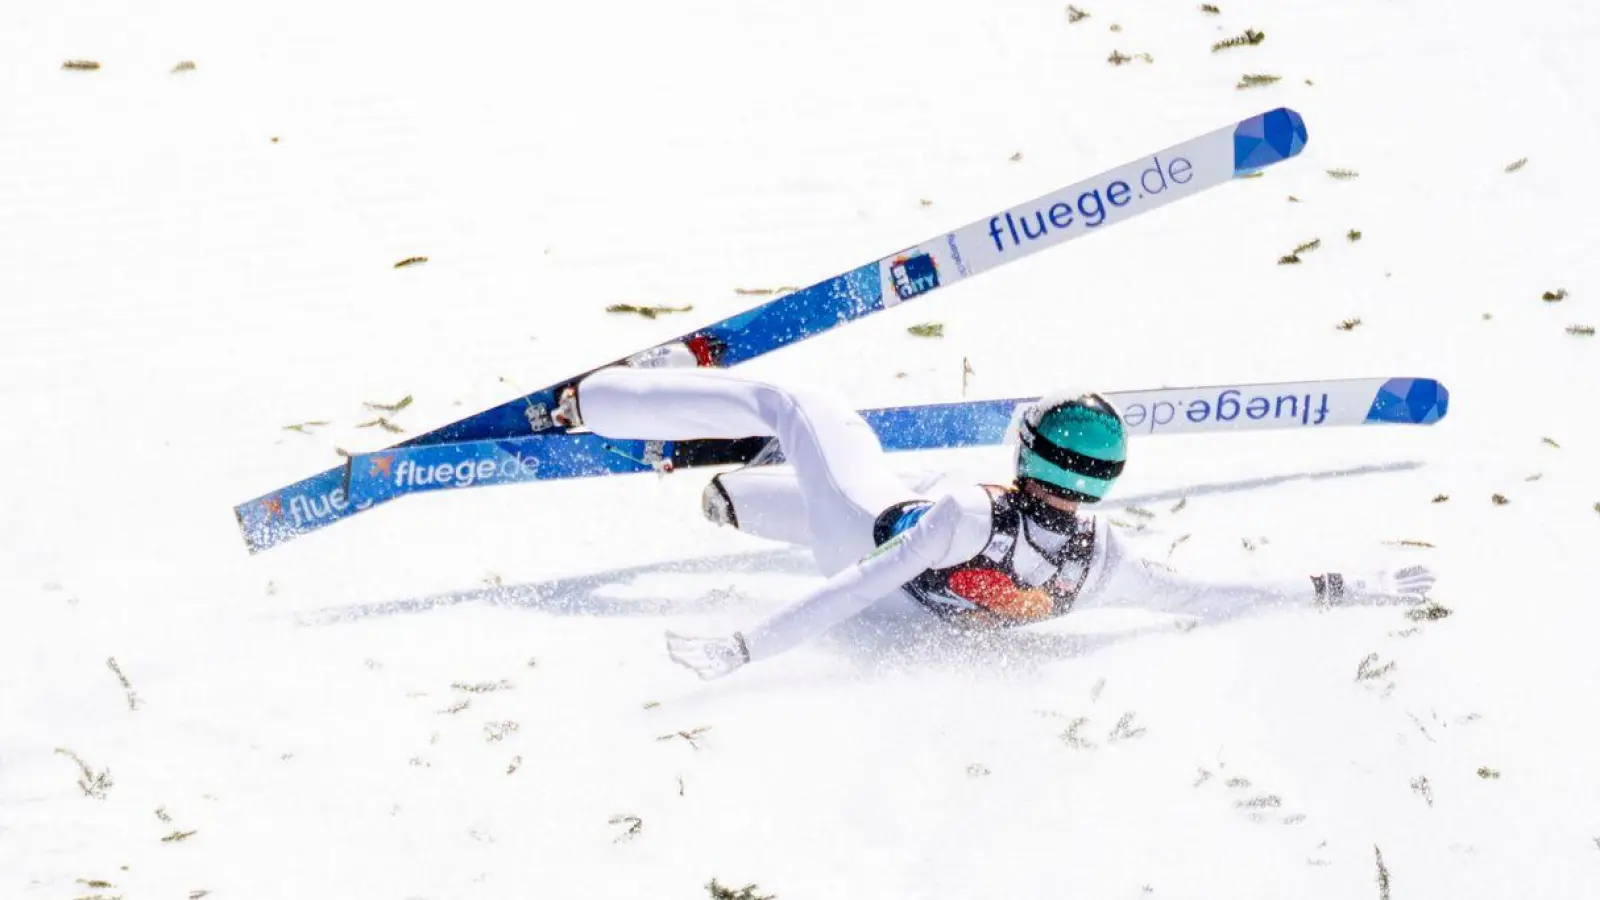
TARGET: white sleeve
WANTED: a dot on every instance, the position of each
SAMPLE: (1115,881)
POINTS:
(1128,580)
(953,530)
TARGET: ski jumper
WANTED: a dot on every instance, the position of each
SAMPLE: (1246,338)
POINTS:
(962,552)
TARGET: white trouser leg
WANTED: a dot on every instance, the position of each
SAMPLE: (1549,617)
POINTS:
(843,478)
(766,501)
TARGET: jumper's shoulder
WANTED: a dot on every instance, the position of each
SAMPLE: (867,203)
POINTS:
(943,529)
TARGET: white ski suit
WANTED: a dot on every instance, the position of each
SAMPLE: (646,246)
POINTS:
(964,554)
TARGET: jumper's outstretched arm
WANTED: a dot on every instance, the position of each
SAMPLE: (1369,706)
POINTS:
(1131,581)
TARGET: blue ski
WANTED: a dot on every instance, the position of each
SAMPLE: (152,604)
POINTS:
(1121,193)
(387,474)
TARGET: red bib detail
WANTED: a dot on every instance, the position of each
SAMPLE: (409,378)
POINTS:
(994,590)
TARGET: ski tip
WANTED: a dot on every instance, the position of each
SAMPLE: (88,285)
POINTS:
(1271,137)
(244,529)
(1410,401)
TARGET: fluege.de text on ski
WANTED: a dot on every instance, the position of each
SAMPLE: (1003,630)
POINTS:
(1227,406)
(1089,207)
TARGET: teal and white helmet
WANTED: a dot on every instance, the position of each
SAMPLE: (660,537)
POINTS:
(1072,445)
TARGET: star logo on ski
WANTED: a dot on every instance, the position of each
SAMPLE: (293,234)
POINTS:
(381,465)
(273,506)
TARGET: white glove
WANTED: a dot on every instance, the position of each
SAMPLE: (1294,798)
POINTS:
(711,657)
(1408,586)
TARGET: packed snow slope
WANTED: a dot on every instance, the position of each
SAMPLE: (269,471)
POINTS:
(466,695)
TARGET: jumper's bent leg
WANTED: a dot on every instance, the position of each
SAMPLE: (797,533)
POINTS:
(841,479)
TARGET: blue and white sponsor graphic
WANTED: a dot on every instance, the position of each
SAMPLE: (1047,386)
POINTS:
(276,517)
(1311,404)
(1228,406)
(1193,410)
(1139,186)
(1090,208)
(376,477)
(913,274)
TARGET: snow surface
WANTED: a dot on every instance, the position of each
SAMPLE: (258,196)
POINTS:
(190,261)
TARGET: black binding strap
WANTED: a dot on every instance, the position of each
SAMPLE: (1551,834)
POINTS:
(1329,587)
